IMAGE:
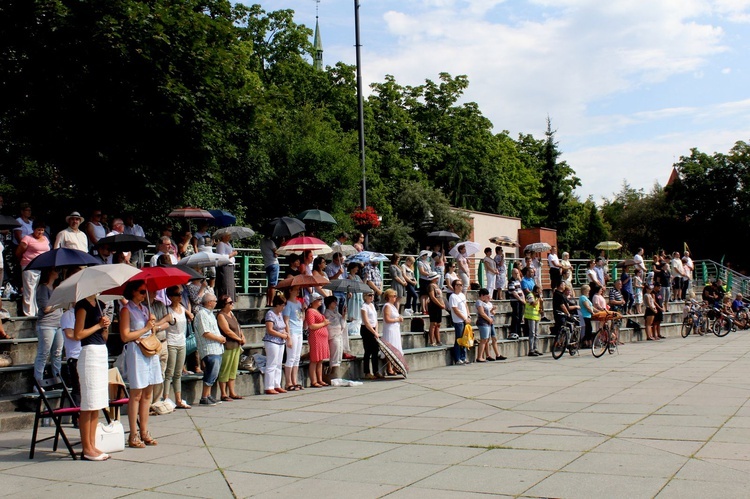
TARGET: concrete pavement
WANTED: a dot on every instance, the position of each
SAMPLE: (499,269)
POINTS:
(666,419)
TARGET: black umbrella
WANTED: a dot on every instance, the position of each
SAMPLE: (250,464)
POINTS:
(285,227)
(443,235)
(124,242)
(347,286)
(7,222)
(62,257)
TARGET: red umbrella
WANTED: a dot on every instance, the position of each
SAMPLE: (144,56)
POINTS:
(156,278)
(189,212)
(300,244)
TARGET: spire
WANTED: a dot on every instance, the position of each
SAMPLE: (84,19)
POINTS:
(318,43)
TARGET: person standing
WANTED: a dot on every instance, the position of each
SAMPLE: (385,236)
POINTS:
(435,309)
(627,290)
(136,322)
(532,316)
(72,237)
(369,333)
(460,317)
(502,273)
(517,300)
(94,229)
(91,330)
(133,229)
(225,275)
(49,332)
(555,269)
(392,324)
(438,262)
(462,264)
(176,346)
(230,359)
(490,268)
(270,265)
(412,298)
(398,283)
(72,353)
(27,226)
(210,343)
(485,322)
(30,247)
(317,324)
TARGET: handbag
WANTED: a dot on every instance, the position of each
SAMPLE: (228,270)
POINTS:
(191,346)
(110,438)
(162,407)
(467,339)
(150,345)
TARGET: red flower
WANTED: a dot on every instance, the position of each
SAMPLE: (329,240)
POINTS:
(367,218)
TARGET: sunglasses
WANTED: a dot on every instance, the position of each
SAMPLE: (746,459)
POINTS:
(230,303)
(142,291)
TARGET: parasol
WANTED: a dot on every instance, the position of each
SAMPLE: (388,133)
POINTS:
(626,263)
(91,281)
(302,280)
(537,247)
(367,256)
(300,244)
(471,248)
(347,286)
(189,212)
(235,233)
(504,241)
(285,227)
(443,235)
(124,242)
(344,249)
(608,245)
(155,278)
(317,216)
(205,259)
(62,257)
(7,222)
(223,218)
(394,356)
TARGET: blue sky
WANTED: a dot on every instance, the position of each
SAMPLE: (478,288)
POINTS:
(630,85)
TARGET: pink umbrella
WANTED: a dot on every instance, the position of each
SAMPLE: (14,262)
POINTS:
(300,244)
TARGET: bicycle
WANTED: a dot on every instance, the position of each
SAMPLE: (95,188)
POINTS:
(607,337)
(695,320)
(568,336)
(723,324)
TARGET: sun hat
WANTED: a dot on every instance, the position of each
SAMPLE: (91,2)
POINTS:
(315,297)
(75,214)
(423,253)
(431,276)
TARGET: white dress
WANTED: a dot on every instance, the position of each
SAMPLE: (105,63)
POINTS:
(142,371)
(392,331)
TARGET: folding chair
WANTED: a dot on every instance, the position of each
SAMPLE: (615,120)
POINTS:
(118,395)
(44,409)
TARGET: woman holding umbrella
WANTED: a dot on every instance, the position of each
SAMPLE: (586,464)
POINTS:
(225,275)
(136,321)
(91,330)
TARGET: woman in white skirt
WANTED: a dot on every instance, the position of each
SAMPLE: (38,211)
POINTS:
(142,372)
(91,330)
(392,324)
(336,330)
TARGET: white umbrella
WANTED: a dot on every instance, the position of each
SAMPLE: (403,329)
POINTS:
(91,281)
(471,248)
(205,259)
(537,247)
(344,249)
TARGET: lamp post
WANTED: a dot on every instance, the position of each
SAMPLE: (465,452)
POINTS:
(360,112)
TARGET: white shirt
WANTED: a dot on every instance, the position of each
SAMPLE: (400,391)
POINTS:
(72,239)
(371,313)
(155,259)
(26,229)
(638,259)
(225,249)
(553,261)
(68,321)
(458,300)
(135,230)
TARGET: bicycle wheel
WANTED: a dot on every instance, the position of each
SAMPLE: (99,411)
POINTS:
(722,327)
(559,343)
(599,345)
(574,343)
(687,326)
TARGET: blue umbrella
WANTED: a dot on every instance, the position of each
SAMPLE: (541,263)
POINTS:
(368,256)
(62,257)
(223,218)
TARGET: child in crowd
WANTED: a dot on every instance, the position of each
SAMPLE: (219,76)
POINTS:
(638,291)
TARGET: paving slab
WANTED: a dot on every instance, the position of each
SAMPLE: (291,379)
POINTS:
(670,419)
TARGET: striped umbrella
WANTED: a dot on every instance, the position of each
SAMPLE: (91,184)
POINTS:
(300,244)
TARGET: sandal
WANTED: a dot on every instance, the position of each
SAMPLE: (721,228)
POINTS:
(299,387)
(135,442)
(182,405)
(236,397)
(226,399)
(148,440)
(291,388)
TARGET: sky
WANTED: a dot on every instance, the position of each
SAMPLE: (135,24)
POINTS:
(629,85)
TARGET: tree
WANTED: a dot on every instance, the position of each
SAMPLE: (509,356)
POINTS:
(558,182)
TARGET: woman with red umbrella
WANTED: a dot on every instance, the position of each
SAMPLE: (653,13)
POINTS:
(136,321)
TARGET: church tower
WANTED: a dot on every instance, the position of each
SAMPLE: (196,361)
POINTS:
(318,43)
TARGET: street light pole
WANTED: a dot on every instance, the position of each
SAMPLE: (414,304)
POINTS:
(360,112)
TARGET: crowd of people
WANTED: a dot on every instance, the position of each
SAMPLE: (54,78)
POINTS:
(432,284)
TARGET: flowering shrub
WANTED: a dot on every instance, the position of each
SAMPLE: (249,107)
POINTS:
(365,219)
